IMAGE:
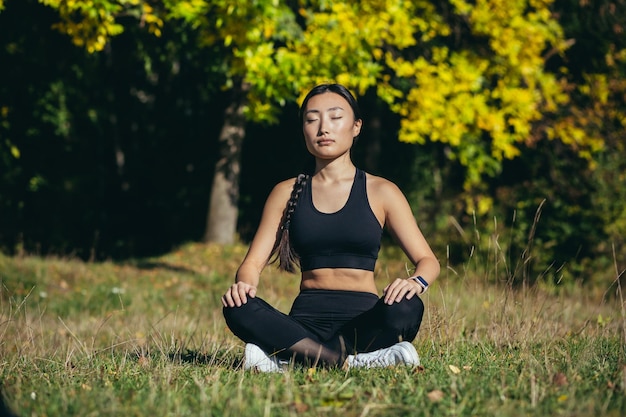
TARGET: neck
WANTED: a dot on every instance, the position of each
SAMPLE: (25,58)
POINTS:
(335,169)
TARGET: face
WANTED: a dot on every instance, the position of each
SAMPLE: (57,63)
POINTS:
(329,126)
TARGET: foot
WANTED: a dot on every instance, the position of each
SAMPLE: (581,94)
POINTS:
(257,360)
(402,353)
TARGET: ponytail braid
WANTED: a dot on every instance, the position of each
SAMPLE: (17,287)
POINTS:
(283,252)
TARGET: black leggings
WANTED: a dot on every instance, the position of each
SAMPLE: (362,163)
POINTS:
(345,322)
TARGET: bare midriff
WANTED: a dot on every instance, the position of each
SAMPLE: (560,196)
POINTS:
(339,279)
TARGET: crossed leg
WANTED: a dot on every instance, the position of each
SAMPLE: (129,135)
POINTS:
(277,333)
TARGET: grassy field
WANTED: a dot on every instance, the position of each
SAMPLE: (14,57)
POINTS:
(147,338)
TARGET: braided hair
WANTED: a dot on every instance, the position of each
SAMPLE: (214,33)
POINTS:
(283,252)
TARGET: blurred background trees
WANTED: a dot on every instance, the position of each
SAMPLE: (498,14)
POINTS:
(128,127)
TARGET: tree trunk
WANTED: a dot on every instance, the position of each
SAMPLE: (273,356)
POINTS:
(221,224)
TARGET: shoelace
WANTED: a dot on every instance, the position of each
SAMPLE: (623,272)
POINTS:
(382,359)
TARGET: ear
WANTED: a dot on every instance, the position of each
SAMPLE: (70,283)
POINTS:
(356,129)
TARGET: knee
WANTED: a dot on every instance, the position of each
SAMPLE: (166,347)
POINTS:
(409,308)
(415,306)
(236,314)
(405,314)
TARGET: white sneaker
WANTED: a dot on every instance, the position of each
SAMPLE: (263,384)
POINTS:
(402,353)
(256,359)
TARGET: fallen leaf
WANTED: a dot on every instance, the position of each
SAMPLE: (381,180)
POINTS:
(418,369)
(454,369)
(143,361)
(435,395)
(299,407)
(559,379)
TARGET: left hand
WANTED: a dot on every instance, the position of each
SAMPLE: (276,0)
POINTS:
(400,288)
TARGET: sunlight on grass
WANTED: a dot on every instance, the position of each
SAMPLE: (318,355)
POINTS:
(147,337)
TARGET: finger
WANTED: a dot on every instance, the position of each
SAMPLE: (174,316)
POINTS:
(252,292)
(228,299)
(391,295)
(400,294)
(243,294)
(387,291)
(405,289)
(411,293)
(234,295)
(224,303)
(392,291)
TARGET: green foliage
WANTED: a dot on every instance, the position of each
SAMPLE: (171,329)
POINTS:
(248,32)
(595,76)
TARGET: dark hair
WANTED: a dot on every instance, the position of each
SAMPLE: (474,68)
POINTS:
(283,252)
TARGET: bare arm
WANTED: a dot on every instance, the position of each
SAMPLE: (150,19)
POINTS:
(401,223)
(249,272)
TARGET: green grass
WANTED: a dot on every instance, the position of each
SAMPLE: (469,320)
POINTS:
(147,338)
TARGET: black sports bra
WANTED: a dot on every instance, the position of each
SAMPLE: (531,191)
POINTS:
(348,238)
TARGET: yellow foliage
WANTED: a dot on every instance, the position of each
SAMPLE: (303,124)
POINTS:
(461,96)
(91,23)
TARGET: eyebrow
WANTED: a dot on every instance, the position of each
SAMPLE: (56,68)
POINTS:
(330,109)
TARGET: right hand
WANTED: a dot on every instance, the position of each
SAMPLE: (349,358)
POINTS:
(238,294)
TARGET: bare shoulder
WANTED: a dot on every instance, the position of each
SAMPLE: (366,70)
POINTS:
(281,191)
(385,198)
(381,189)
(285,185)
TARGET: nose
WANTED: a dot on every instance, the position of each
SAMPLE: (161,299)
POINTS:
(322,130)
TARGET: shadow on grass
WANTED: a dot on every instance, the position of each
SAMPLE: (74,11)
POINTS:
(152,265)
(219,358)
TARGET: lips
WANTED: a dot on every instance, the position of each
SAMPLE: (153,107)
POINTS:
(324,142)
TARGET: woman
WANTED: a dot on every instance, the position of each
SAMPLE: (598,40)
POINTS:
(330,224)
